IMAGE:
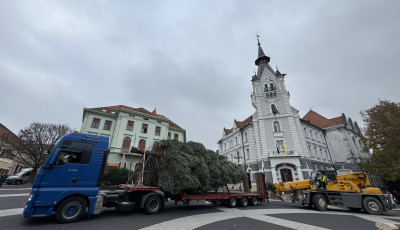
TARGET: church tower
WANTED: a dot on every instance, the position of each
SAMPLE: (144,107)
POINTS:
(278,132)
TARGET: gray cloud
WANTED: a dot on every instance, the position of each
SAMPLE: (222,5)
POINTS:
(192,60)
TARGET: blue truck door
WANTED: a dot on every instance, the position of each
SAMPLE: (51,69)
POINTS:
(65,169)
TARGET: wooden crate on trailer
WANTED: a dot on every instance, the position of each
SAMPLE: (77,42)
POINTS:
(247,183)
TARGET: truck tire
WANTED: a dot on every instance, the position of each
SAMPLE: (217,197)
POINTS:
(153,205)
(253,201)
(319,202)
(71,210)
(244,202)
(372,206)
(232,202)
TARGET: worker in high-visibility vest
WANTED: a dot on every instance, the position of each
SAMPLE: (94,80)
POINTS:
(324,180)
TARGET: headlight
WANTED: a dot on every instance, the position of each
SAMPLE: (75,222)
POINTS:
(30,197)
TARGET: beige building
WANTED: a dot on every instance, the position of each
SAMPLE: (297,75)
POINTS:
(129,128)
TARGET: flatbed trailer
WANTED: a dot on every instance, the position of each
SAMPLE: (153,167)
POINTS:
(71,189)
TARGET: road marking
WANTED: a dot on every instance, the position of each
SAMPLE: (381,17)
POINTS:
(14,189)
(196,221)
(11,212)
(11,195)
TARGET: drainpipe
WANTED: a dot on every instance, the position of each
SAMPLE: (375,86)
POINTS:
(244,153)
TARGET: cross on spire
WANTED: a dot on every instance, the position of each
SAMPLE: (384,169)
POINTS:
(258,40)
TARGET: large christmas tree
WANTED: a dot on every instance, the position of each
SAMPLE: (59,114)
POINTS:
(191,168)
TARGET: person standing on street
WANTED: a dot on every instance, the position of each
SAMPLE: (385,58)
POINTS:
(2,179)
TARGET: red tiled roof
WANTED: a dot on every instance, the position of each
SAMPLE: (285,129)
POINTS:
(6,133)
(246,121)
(115,108)
(321,121)
(228,131)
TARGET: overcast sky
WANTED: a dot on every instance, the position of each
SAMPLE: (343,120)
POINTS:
(193,60)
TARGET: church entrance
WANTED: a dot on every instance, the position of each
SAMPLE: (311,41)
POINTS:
(286,175)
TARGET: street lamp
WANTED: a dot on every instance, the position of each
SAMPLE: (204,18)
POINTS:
(238,157)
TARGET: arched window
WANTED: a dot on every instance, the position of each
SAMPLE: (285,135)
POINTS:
(155,145)
(272,86)
(274,109)
(126,144)
(277,126)
(266,87)
(142,144)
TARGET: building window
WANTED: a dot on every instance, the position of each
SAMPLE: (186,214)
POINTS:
(320,150)
(248,154)
(169,136)
(107,125)
(311,134)
(144,128)
(315,150)
(129,126)
(126,144)
(309,150)
(155,145)
(274,109)
(305,132)
(316,136)
(95,123)
(158,131)
(245,137)
(225,145)
(142,144)
(279,146)
(322,138)
(176,136)
(277,126)
(236,140)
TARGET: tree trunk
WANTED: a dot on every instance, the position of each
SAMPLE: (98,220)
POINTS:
(33,174)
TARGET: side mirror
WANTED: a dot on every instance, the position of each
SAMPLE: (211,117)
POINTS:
(48,167)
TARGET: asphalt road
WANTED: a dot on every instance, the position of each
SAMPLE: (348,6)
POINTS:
(273,215)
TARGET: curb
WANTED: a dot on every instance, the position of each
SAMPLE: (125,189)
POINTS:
(387,226)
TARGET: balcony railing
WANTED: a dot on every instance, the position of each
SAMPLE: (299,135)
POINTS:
(282,153)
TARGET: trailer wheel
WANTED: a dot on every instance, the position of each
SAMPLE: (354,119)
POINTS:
(253,201)
(319,202)
(153,205)
(71,210)
(372,206)
(232,202)
(244,202)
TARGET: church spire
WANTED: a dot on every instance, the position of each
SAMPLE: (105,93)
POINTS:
(262,60)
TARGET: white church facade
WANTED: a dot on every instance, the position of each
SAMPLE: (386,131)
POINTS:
(276,141)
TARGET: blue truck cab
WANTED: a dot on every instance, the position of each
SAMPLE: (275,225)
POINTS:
(68,182)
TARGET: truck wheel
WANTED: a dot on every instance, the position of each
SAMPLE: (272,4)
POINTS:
(153,205)
(244,202)
(372,206)
(71,210)
(17,182)
(253,201)
(232,202)
(319,202)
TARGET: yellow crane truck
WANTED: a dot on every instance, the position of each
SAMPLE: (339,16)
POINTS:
(351,190)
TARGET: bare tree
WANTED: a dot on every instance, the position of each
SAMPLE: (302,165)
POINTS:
(34,141)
